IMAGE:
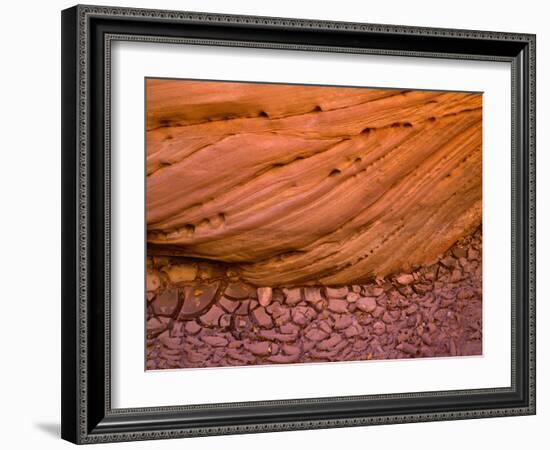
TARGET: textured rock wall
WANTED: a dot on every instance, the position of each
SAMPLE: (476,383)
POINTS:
(306,185)
(201,315)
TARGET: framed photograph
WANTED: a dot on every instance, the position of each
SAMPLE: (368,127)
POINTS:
(280,224)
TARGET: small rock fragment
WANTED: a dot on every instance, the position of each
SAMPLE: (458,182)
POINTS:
(464,293)
(366,304)
(209,271)
(301,315)
(377,291)
(340,292)
(225,321)
(180,273)
(405,290)
(166,304)
(379,328)
(284,359)
(343,321)
(353,330)
(192,327)
(449,262)
(289,328)
(273,335)
(212,317)
(215,341)
(240,357)
(328,344)
(239,291)
(316,335)
(282,318)
(229,305)
(157,325)
(422,288)
(459,252)
(378,312)
(456,276)
(473,254)
(312,294)
(408,348)
(243,309)
(405,279)
(387,317)
(153,281)
(197,299)
(292,296)
(426,339)
(452,348)
(278,296)
(259,348)
(262,318)
(265,294)
(177,329)
(338,306)
(291,349)
(325,327)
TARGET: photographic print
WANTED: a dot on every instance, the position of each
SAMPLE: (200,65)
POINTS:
(300,223)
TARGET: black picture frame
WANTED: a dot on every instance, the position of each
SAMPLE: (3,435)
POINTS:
(87,415)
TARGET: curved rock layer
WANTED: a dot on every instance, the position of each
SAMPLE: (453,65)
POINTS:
(297,185)
(197,317)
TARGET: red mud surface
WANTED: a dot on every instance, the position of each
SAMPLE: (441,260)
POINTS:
(434,310)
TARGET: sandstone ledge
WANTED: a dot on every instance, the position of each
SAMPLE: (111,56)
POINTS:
(297,185)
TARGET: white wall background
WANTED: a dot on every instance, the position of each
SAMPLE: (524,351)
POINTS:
(30,223)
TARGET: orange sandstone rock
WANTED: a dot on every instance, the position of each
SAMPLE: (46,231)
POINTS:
(298,185)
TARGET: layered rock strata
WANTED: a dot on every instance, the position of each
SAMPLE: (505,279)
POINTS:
(310,185)
(204,315)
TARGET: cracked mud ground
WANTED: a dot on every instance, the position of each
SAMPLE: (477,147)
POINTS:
(201,315)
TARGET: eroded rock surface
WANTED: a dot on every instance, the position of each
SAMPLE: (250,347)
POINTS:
(434,310)
(308,185)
